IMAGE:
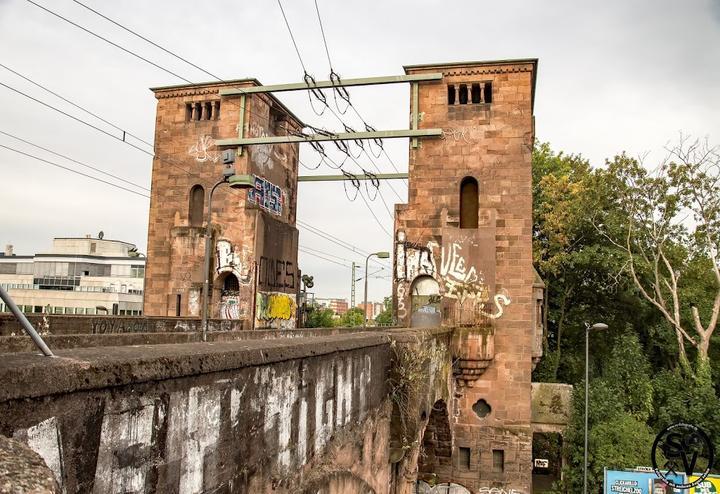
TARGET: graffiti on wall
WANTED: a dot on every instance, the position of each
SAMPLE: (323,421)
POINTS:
(465,272)
(276,310)
(498,490)
(462,134)
(233,259)
(267,195)
(204,150)
(264,155)
(276,273)
(230,307)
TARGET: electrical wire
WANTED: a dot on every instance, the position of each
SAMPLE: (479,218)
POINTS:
(169,52)
(322,257)
(297,50)
(73,171)
(79,107)
(74,161)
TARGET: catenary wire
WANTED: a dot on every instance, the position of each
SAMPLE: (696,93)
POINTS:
(151,63)
(79,107)
(73,171)
(74,160)
(322,257)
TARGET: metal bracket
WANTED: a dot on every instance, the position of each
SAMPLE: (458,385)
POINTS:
(342,136)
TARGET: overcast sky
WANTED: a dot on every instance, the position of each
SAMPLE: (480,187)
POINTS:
(613,76)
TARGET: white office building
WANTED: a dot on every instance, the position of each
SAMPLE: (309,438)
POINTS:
(78,276)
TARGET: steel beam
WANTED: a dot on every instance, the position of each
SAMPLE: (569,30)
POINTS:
(342,136)
(364,81)
(335,178)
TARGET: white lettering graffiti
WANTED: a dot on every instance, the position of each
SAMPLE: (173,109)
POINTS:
(465,134)
(402,311)
(231,259)
(460,281)
(201,150)
(264,154)
(498,490)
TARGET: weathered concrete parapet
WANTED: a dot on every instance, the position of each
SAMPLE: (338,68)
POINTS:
(308,414)
(23,471)
(551,406)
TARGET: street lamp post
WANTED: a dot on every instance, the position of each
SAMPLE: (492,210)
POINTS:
(600,327)
(236,182)
(380,255)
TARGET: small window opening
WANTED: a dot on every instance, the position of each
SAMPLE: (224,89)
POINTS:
(217,110)
(498,460)
(468,203)
(197,204)
(208,111)
(231,283)
(488,92)
(464,457)
(451,94)
(463,94)
(481,408)
(178,302)
(93,247)
(475,93)
(198,111)
(188,112)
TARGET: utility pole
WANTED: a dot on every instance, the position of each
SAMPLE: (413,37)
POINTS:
(352,287)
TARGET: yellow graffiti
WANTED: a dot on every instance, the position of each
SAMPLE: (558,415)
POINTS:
(276,306)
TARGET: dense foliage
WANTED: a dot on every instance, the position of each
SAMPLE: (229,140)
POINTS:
(627,246)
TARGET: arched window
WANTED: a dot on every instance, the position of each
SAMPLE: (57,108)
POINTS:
(468,203)
(197,205)
(231,284)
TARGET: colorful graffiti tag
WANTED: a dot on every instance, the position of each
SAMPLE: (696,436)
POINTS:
(276,310)
(232,259)
(267,195)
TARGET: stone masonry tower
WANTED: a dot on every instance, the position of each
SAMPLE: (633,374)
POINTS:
(254,261)
(463,258)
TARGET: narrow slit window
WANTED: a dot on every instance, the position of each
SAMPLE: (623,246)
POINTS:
(498,461)
(178,302)
(451,94)
(198,111)
(464,457)
(475,93)
(188,112)
(208,111)
(196,206)
(469,203)
(463,94)
(488,92)
(216,115)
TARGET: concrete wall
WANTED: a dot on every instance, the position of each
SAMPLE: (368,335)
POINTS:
(57,325)
(289,415)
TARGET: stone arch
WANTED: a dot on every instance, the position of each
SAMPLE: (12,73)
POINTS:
(425,302)
(436,454)
(469,202)
(196,205)
(339,483)
(228,286)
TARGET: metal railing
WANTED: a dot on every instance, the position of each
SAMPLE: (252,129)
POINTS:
(25,323)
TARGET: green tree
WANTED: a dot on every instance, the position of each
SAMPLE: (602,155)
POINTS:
(319,317)
(386,316)
(352,318)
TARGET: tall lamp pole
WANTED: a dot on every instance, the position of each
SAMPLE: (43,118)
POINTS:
(236,182)
(380,255)
(599,327)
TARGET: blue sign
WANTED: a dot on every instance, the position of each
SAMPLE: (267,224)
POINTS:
(630,482)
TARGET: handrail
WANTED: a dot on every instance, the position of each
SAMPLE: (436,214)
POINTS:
(25,323)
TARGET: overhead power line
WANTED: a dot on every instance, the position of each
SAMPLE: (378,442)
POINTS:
(130,52)
(74,161)
(79,107)
(323,257)
(73,171)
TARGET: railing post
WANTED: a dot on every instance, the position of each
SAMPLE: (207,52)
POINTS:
(25,323)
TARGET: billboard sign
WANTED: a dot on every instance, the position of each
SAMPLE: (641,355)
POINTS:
(634,482)
(709,485)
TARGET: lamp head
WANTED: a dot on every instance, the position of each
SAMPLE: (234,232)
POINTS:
(382,255)
(241,181)
(598,326)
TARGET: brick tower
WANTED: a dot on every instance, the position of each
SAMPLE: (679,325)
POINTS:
(254,261)
(463,258)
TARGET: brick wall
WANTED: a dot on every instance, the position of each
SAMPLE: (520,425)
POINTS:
(186,156)
(480,278)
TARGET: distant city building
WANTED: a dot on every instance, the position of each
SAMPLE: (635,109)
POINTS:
(338,305)
(78,276)
(372,310)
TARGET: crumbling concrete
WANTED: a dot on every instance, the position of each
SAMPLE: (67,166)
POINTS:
(23,471)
